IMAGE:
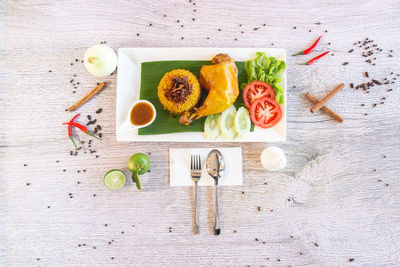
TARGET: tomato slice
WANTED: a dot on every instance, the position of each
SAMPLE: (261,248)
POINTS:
(256,90)
(265,112)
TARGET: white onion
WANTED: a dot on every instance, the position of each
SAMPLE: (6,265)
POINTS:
(100,60)
(273,158)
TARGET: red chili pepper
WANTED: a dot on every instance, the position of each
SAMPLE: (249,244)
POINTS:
(82,128)
(70,132)
(311,61)
(310,49)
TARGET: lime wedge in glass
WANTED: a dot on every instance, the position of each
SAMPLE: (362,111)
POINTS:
(114,179)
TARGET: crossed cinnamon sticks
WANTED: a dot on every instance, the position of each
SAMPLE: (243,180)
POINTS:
(321,104)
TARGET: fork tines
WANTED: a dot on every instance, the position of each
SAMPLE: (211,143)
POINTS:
(195,163)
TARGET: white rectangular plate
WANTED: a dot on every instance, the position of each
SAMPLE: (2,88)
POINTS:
(128,88)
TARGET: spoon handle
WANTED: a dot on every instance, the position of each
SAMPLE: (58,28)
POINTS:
(196,214)
(217,228)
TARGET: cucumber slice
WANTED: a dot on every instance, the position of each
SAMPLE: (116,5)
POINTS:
(211,130)
(242,122)
(114,179)
(226,123)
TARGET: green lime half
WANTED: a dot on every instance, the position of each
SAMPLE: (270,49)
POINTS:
(114,179)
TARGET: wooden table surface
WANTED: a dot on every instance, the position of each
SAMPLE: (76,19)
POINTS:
(337,203)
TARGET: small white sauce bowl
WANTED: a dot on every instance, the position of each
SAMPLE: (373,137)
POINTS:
(127,125)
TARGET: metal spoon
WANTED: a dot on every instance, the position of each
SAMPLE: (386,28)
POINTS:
(215,168)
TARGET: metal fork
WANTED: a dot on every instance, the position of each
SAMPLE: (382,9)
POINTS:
(195,171)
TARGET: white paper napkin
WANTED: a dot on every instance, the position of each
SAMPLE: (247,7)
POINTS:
(179,166)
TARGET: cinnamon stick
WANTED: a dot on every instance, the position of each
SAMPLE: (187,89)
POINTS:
(324,100)
(87,97)
(327,110)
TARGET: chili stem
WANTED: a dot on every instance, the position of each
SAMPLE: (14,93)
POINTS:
(73,142)
(92,135)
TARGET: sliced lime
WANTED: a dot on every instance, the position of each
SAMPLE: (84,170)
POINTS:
(114,179)
(242,122)
(211,131)
(226,123)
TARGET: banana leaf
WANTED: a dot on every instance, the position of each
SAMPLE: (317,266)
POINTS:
(165,123)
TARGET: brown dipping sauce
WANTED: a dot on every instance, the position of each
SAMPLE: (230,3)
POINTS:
(141,114)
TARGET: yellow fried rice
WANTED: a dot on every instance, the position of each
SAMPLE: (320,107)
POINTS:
(179,91)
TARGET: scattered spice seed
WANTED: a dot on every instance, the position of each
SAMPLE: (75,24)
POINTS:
(259,208)
(28,184)
(122,232)
(345,63)
(78,182)
(386,184)
(351,259)
(25,164)
(315,244)
(351,85)
(256,28)
(351,50)
(301,253)
(294,27)
(366,74)
(256,239)
(376,82)
(137,34)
